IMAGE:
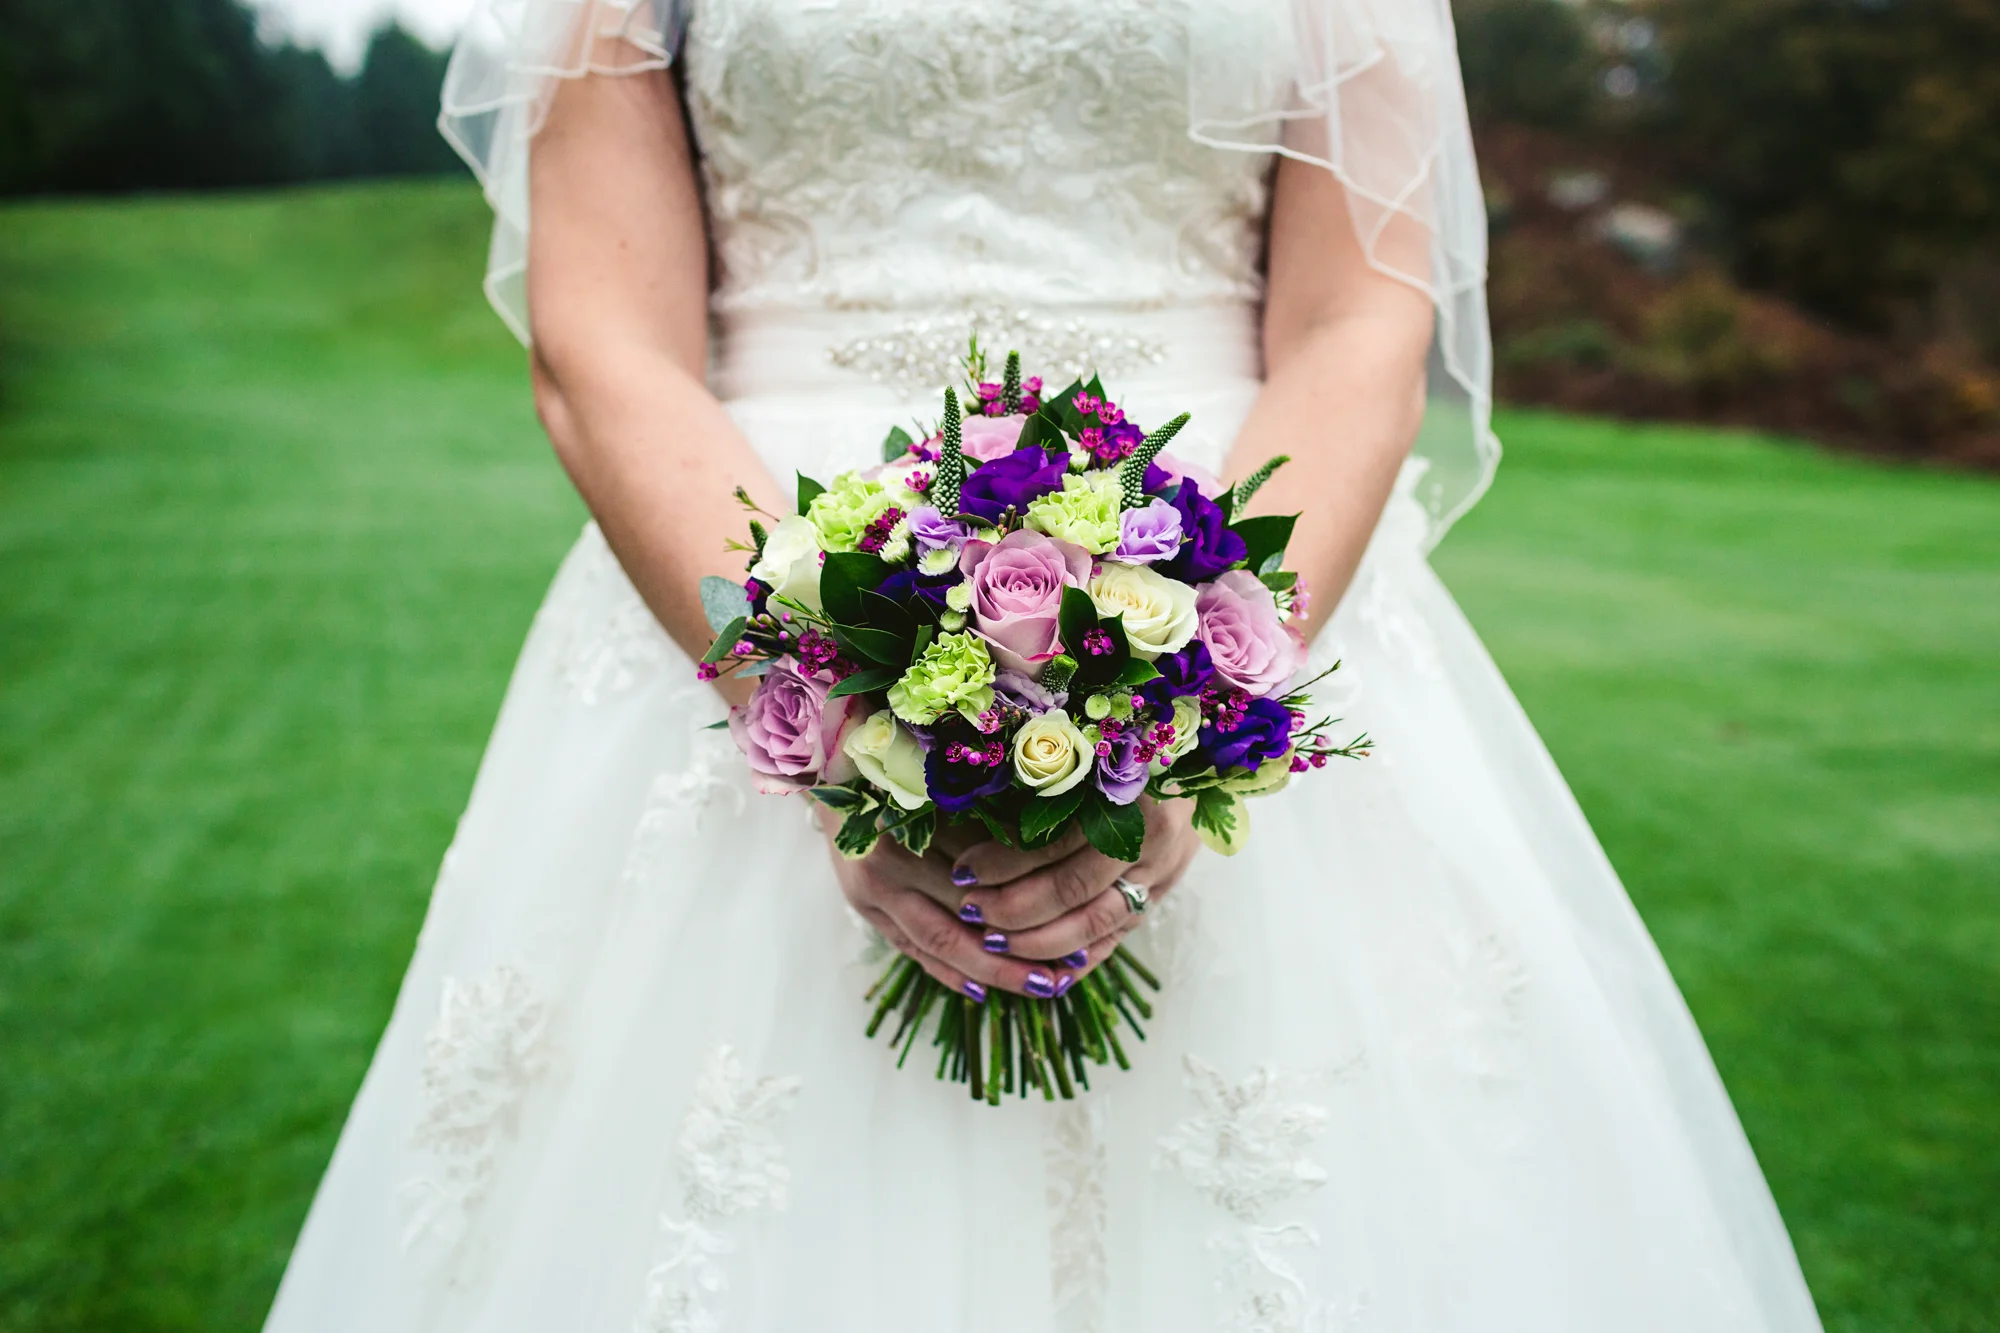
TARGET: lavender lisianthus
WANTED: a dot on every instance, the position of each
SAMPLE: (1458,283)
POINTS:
(1264,731)
(1024,691)
(1121,775)
(1011,482)
(1148,534)
(932,531)
(1210,546)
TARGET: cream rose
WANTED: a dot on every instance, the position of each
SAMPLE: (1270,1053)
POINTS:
(889,756)
(1050,754)
(790,563)
(1159,611)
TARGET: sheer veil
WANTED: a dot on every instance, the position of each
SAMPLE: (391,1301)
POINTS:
(1368,89)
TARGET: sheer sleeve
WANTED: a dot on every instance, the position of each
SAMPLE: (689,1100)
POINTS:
(503,73)
(1371,91)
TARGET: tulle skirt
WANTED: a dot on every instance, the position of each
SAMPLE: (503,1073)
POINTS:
(1417,1065)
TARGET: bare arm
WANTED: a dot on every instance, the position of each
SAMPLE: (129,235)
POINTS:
(1344,350)
(618,299)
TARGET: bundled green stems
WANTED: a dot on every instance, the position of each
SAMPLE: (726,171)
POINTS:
(1013,1044)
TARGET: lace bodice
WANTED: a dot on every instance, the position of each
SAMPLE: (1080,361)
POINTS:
(912,154)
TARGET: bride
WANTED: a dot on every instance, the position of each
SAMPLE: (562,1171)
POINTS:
(1417,1066)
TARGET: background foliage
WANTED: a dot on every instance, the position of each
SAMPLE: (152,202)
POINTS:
(182,94)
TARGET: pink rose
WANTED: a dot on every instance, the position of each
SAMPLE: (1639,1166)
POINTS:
(791,733)
(1017,586)
(988,438)
(1247,640)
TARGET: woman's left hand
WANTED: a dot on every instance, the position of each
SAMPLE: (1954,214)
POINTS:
(1059,901)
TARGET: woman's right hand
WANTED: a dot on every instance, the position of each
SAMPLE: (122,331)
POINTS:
(907,898)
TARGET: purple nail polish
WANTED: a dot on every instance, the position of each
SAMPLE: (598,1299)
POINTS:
(971,915)
(1040,985)
(976,991)
(964,876)
(1077,959)
(1063,983)
(995,942)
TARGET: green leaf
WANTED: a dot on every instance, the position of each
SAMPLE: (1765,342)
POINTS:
(998,821)
(865,682)
(725,639)
(835,797)
(1044,818)
(895,444)
(914,828)
(1066,416)
(808,491)
(1041,429)
(925,633)
(1282,581)
(1220,820)
(1266,536)
(858,833)
(1103,668)
(723,600)
(1136,672)
(842,580)
(717,726)
(883,613)
(1076,617)
(873,645)
(1118,831)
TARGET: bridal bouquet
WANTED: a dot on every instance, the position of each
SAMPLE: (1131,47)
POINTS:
(1024,620)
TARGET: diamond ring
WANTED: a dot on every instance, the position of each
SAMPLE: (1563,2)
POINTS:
(1136,895)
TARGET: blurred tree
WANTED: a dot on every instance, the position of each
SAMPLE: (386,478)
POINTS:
(182,94)
(396,106)
(1853,145)
(1526,62)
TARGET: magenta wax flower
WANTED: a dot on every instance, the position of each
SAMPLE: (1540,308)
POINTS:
(1148,534)
(1017,586)
(791,733)
(987,438)
(1246,639)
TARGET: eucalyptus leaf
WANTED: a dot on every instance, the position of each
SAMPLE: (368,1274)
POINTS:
(723,600)
(725,639)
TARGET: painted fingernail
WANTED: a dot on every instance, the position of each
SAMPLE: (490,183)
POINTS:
(1063,983)
(995,942)
(1040,985)
(976,991)
(964,876)
(1077,959)
(971,915)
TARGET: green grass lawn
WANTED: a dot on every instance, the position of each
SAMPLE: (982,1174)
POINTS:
(274,515)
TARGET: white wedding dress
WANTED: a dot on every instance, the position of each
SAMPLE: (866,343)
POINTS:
(1417,1066)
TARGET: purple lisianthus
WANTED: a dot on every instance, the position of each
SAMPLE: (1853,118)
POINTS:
(1184,672)
(1011,482)
(1210,547)
(1263,731)
(963,766)
(932,531)
(1121,775)
(905,584)
(1149,534)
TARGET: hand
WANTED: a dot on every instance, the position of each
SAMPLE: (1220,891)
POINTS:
(1059,902)
(911,901)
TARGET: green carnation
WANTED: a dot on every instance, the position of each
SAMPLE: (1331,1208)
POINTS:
(955,672)
(1085,511)
(843,511)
